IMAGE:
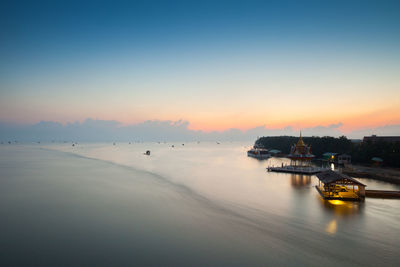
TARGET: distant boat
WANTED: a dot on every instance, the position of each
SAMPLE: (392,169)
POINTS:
(259,153)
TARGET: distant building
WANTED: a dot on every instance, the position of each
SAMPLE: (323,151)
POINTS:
(329,156)
(376,161)
(275,152)
(374,138)
(336,158)
(344,159)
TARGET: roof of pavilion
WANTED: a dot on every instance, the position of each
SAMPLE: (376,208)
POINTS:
(330,176)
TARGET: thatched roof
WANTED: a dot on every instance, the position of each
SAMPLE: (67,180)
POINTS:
(330,176)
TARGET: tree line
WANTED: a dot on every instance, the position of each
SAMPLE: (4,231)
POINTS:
(361,152)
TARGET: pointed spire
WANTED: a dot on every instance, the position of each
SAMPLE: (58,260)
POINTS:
(300,142)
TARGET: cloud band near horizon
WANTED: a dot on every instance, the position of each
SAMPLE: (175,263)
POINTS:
(101,130)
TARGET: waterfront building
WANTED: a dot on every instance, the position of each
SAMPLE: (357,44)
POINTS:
(329,156)
(377,161)
(300,160)
(388,139)
(300,154)
(333,185)
(275,152)
(344,159)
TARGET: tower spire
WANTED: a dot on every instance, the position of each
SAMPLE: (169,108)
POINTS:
(300,142)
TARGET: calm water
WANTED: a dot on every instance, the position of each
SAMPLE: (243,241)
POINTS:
(198,204)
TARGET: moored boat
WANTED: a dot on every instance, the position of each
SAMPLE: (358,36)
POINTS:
(259,153)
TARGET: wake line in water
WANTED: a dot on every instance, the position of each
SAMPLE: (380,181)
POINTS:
(252,219)
(181,188)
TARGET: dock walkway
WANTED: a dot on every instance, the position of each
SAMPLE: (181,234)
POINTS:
(382,194)
(297,170)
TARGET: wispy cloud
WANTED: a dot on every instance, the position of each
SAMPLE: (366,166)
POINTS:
(157,130)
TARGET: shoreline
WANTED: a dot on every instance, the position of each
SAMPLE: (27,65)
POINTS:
(376,173)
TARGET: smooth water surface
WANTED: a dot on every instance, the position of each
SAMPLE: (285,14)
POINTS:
(192,204)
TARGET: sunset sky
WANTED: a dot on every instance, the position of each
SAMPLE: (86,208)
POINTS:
(216,64)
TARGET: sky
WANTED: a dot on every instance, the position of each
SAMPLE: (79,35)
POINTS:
(216,65)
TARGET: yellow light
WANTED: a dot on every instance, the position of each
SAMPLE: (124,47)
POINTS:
(331,227)
(336,202)
(332,157)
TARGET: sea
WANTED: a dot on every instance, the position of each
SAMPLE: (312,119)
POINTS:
(185,204)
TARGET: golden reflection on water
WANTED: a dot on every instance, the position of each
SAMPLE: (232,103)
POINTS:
(298,180)
(331,227)
(342,208)
(336,202)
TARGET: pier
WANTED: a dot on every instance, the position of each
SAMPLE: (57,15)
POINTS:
(297,169)
(382,194)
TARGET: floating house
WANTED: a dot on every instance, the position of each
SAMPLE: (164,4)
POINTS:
(259,153)
(276,152)
(333,185)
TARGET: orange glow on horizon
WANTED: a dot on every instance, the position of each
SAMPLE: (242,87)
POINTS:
(351,120)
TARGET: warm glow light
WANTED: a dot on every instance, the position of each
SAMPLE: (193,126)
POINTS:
(336,202)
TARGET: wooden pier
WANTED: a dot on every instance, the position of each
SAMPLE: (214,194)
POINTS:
(297,169)
(382,194)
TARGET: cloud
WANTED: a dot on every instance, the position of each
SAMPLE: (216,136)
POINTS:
(330,130)
(156,130)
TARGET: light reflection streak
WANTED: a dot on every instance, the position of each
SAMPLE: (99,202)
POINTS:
(331,227)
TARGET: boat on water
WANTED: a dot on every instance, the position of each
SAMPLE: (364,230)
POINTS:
(259,153)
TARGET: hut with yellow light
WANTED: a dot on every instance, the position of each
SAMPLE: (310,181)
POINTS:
(333,185)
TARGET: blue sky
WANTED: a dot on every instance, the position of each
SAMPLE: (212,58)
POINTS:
(216,64)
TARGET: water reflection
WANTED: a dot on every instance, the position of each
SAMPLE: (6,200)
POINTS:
(298,180)
(342,208)
(331,227)
(332,166)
